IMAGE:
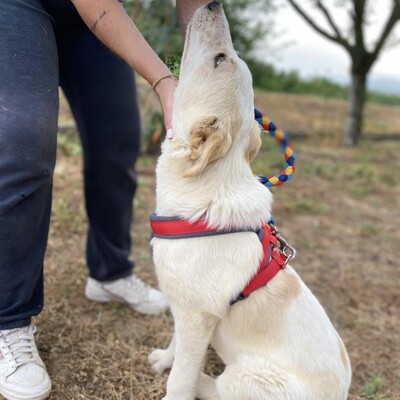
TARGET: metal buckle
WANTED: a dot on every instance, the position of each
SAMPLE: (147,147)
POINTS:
(284,247)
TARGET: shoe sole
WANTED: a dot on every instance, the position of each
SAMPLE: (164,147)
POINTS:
(11,396)
(110,297)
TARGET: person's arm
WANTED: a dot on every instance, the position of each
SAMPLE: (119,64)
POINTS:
(111,24)
(185,10)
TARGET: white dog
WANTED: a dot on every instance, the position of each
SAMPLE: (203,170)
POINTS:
(277,344)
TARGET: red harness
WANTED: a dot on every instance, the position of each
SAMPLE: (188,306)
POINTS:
(276,250)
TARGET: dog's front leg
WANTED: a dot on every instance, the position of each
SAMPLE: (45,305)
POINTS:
(193,333)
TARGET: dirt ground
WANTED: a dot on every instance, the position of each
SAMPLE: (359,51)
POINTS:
(341,212)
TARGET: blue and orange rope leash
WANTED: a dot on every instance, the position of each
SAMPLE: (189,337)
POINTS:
(283,140)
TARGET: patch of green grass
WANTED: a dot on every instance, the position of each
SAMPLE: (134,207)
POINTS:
(389,238)
(371,389)
(66,216)
(143,182)
(378,126)
(353,177)
(305,244)
(390,180)
(308,170)
(146,256)
(118,308)
(365,173)
(358,324)
(145,160)
(270,160)
(360,191)
(69,144)
(307,207)
(364,157)
(317,170)
(369,229)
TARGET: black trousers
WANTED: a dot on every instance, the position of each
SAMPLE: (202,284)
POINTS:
(44,44)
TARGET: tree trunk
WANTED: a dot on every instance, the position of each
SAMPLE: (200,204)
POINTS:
(355,106)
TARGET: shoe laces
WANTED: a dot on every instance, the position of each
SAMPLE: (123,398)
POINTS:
(19,346)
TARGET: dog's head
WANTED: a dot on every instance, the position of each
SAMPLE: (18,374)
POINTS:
(214,107)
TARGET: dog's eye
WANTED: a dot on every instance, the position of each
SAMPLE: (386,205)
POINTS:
(218,59)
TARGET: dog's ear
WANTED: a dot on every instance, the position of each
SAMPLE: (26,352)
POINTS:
(254,141)
(209,140)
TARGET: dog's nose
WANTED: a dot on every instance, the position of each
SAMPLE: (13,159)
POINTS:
(213,5)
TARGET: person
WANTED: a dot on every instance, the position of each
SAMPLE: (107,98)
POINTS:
(90,49)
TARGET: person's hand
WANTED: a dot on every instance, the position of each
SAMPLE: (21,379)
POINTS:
(165,89)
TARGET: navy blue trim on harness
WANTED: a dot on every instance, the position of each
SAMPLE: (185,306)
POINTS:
(156,222)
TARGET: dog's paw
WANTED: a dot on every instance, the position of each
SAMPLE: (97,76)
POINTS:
(161,360)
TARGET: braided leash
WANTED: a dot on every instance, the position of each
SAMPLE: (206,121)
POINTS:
(283,141)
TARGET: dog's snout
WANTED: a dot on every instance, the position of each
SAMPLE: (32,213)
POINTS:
(213,5)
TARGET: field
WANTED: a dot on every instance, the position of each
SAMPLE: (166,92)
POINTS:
(341,212)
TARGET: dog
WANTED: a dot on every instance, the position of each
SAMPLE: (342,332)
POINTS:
(278,343)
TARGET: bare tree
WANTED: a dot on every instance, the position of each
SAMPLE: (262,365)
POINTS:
(361,57)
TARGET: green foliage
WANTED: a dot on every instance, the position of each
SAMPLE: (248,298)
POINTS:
(266,77)
(250,28)
(174,64)
(156,20)
(382,98)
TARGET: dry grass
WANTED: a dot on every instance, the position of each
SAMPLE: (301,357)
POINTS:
(323,116)
(341,212)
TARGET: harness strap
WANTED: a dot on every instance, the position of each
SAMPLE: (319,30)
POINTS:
(272,262)
(276,251)
(178,228)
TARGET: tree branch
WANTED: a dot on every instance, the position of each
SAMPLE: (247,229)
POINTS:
(391,22)
(314,25)
(332,23)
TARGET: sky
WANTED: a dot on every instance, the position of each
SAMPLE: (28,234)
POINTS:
(308,52)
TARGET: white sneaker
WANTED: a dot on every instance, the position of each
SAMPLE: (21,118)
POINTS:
(23,375)
(130,290)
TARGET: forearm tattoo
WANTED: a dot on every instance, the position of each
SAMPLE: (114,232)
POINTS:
(93,27)
(102,15)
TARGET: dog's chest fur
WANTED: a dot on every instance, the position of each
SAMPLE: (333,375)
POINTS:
(234,199)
